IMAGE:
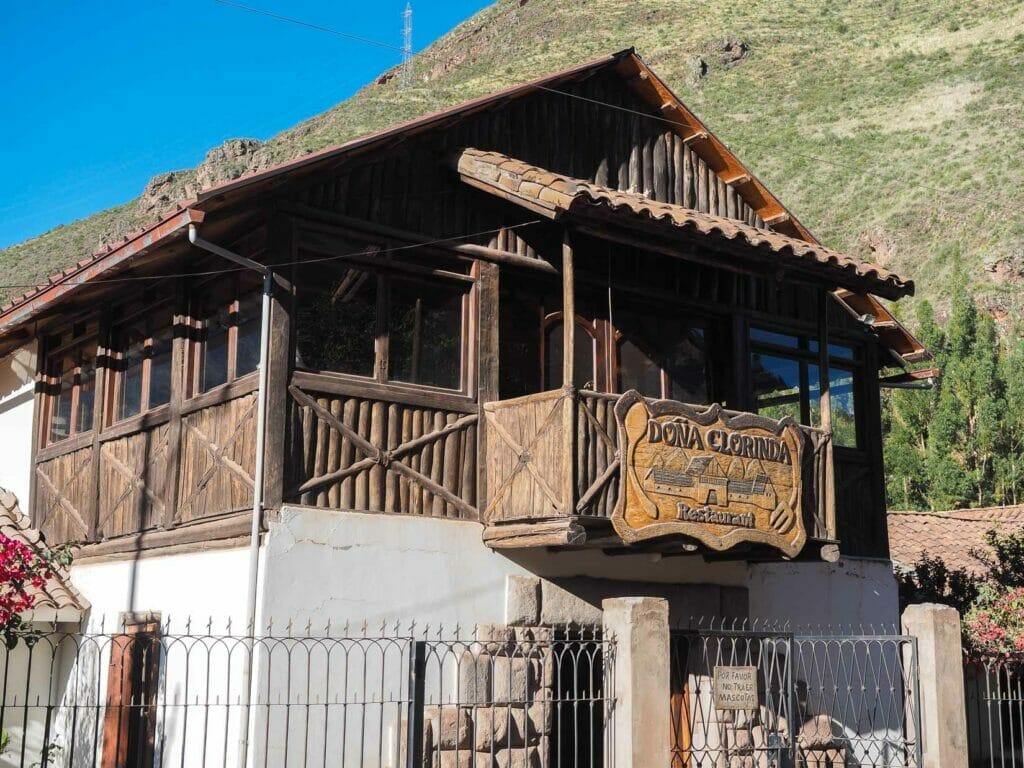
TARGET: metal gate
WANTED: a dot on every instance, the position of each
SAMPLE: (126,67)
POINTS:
(994,696)
(822,701)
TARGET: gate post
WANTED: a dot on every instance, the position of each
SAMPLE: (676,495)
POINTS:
(941,684)
(641,734)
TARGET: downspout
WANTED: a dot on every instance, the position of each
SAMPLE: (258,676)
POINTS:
(257,487)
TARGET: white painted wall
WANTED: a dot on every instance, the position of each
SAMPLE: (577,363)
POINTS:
(17,372)
(200,585)
(197,593)
(853,591)
(350,566)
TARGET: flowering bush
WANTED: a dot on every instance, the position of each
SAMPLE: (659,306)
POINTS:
(994,626)
(21,570)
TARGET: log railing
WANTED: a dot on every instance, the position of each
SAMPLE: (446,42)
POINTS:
(534,443)
(355,451)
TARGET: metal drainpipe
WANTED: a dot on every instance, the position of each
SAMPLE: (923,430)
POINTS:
(257,490)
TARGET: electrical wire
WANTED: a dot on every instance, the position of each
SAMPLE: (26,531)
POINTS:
(371,251)
(926,9)
(427,55)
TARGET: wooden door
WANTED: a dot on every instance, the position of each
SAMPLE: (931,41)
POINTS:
(681,724)
(129,721)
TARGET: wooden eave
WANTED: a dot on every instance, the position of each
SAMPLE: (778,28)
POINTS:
(237,194)
(557,196)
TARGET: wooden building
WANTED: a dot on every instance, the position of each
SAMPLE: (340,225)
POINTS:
(427,281)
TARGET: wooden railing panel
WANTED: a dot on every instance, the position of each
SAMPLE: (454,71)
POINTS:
(368,454)
(525,458)
(64,496)
(133,482)
(597,449)
(218,459)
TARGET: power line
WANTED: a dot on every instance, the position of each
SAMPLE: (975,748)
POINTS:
(372,251)
(669,121)
(309,25)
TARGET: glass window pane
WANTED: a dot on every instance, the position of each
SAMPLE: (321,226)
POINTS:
(686,366)
(583,357)
(337,323)
(425,342)
(213,354)
(814,395)
(841,352)
(160,364)
(247,355)
(771,337)
(132,346)
(60,413)
(842,396)
(776,382)
(638,371)
(86,392)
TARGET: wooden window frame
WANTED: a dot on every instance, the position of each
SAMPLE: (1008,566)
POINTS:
(115,377)
(384,275)
(89,339)
(606,337)
(196,344)
(804,355)
(595,330)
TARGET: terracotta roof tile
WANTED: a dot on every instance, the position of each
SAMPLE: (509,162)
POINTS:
(560,194)
(58,594)
(950,536)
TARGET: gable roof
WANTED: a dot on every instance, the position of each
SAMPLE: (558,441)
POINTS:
(626,63)
(950,536)
(555,195)
(57,600)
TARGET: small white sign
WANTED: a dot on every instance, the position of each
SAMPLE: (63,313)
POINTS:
(735,687)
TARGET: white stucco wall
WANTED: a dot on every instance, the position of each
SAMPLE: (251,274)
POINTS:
(349,566)
(849,593)
(17,371)
(196,585)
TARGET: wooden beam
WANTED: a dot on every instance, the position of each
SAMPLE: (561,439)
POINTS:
(179,370)
(549,533)
(488,381)
(825,405)
(468,250)
(568,489)
(281,248)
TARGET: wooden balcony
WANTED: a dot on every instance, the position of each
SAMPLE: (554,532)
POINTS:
(551,467)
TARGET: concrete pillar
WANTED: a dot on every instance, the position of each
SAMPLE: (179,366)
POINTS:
(940,664)
(641,687)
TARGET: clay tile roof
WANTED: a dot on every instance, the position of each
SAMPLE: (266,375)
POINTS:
(58,598)
(950,536)
(553,194)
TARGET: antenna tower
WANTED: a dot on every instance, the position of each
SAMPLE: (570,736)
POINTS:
(406,77)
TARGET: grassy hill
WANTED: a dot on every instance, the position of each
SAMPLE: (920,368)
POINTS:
(892,129)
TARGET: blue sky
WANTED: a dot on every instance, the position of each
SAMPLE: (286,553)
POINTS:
(100,96)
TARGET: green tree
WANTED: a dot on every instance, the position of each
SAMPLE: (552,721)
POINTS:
(962,444)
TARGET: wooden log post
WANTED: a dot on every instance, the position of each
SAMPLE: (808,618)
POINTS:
(827,491)
(488,381)
(179,384)
(568,491)
(281,248)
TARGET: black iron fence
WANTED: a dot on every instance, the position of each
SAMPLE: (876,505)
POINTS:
(762,697)
(994,699)
(393,697)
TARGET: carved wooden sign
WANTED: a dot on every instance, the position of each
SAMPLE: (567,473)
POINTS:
(699,472)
